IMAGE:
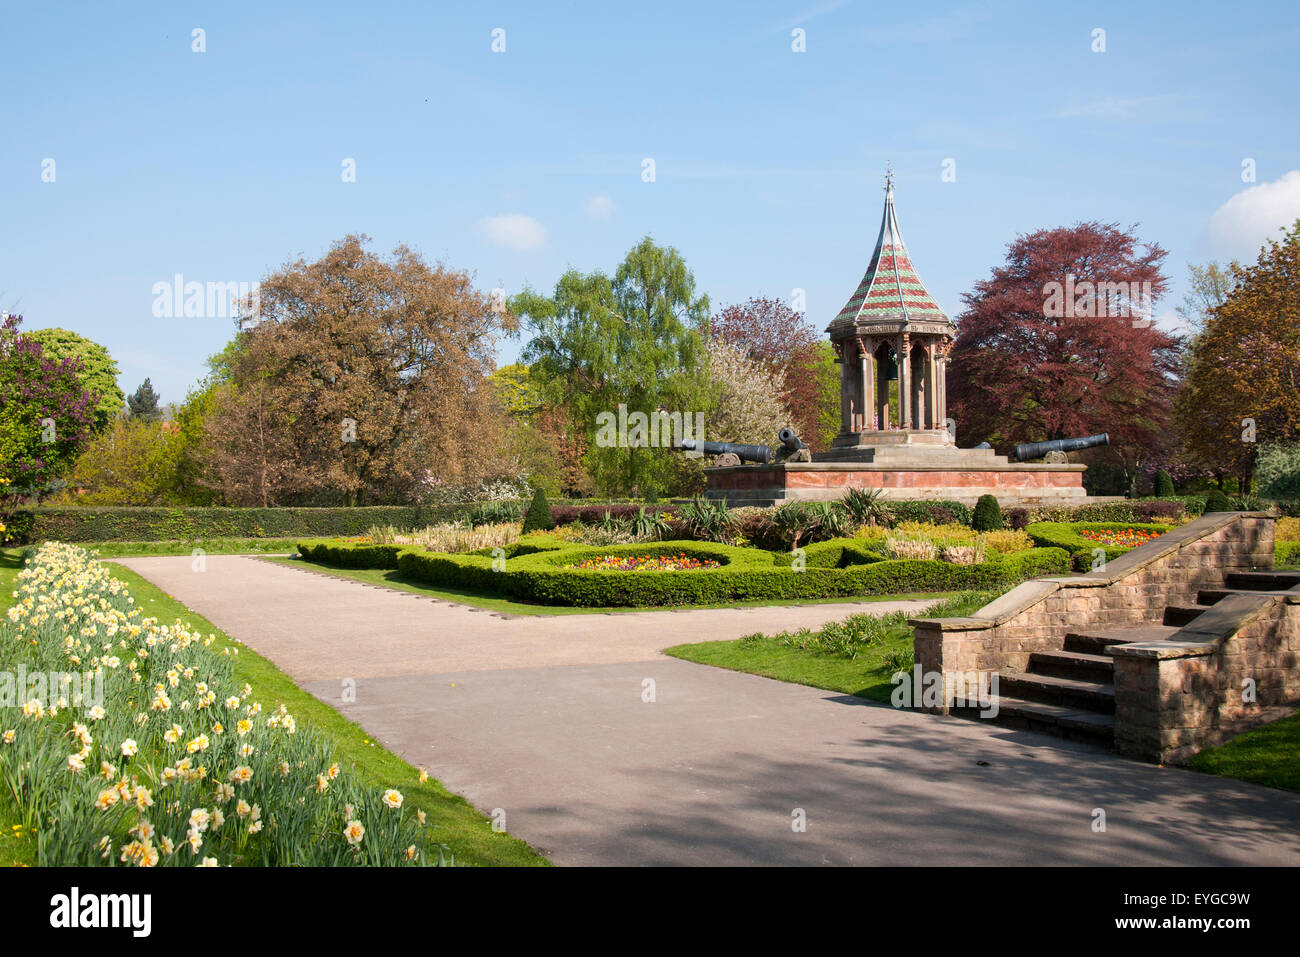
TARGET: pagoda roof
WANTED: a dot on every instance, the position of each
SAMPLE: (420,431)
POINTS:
(890,293)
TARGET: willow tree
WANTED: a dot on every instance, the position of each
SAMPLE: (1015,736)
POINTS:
(633,340)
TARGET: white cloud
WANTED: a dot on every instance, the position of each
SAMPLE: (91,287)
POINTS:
(513,230)
(600,207)
(1239,227)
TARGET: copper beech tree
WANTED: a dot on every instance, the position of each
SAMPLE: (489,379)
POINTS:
(363,380)
(1060,342)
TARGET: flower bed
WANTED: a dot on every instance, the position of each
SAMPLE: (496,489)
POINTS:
(148,752)
(646,563)
(1082,547)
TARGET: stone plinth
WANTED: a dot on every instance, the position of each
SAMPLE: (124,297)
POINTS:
(901,472)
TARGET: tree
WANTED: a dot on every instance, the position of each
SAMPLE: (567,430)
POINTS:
(143,403)
(747,404)
(1243,380)
(1211,285)
(365,381)
(633,341)
(97,370)
(1058,343)
(46,413)
(771,332)
(132,462)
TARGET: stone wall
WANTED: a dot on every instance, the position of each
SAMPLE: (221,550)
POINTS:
(1171,696)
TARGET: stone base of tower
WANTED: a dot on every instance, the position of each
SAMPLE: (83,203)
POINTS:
(903,471)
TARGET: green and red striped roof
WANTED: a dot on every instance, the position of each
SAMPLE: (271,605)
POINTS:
(890,289)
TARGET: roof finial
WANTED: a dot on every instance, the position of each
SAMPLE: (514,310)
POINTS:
(889,177)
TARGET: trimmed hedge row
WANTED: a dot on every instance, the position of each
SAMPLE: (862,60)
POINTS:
(834,553)
(1286,554)
(747,574)
(1066,535)
(88,523)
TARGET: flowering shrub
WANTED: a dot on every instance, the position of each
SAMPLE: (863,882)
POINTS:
(646,563)
(177,764)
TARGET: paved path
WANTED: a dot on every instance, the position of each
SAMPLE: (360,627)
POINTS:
(545,718)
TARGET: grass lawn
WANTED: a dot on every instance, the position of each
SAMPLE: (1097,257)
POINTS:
(1269,755)
(211,546)
(393,579)
(854,657)
(453,820)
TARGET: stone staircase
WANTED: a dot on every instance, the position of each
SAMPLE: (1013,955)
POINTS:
(1071,693)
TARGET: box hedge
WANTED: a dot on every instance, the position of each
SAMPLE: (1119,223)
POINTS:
(87,523)
(747,574)
(1066,535)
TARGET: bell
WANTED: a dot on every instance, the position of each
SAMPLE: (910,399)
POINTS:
(891,369)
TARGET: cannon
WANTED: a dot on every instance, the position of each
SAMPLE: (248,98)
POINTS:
(743,453)
(791,449)
(1054,450)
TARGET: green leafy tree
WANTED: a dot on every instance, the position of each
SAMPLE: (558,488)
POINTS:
(538,517)
(143,403)
(633,340)
(46,415)
(98,372)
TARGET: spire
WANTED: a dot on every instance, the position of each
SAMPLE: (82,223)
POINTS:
(890,290)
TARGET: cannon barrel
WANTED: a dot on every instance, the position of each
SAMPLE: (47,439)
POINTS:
(790,442)
(1027,451)
(746,453)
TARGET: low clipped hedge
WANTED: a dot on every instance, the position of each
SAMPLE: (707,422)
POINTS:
(1286,554)
(748,574)
(350,555)
(91,523)
(834,553)
(1066,535)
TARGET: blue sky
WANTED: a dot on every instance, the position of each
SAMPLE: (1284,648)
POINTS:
(224,164)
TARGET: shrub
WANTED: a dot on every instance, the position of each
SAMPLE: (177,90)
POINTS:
(924,510)
(538,518)
(1287,554)
(988,514)
(1277,470)
(706,521)
(1006,542)
(86,523)
(864,506)
(648,525)
(1287,530)
(1016,518)
(1164,485)
(496,513)
(1217,502)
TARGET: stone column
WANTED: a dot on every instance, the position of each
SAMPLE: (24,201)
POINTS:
(882,396)
(905,381)
(868,383)
(845,387)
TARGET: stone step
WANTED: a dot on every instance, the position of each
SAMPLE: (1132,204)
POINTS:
(1211,596)
(1180,615)
(1058,720)
(1263,581)
(1073,693)
(1096,641)
(1073,664)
